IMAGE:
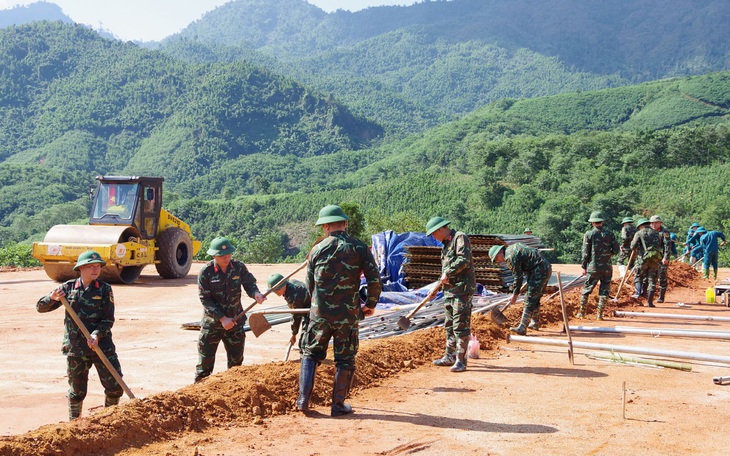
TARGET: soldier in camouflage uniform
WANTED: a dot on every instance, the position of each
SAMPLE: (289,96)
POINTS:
(646,241)
(334,267)
(656,225)
(219,289)
(525,261)
(93,301)
(599,246)
(628,230)
(459,285)
(297,296)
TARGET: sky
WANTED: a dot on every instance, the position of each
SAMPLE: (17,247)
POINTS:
(163,18)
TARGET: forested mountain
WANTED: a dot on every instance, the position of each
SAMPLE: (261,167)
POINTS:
(413,67)
(38,11)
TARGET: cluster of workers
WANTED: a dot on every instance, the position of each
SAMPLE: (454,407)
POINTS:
(332,292)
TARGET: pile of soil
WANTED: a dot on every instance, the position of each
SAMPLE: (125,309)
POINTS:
(247,394)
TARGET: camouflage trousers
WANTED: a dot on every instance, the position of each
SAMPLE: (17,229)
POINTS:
(662,276)
(345,338)
(593,278)
(537,279)
(457,324)
(77,369)
(210,336)
(648,274)
(623,256)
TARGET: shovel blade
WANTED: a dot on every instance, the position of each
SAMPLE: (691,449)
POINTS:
(258,324)
(404,323)
(497,316)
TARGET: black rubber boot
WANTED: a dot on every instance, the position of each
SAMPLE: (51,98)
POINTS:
(662,291)
(74,409)
(447,360)
(343,378)
(460,364)
(307,369)
(650,299)
(109,401)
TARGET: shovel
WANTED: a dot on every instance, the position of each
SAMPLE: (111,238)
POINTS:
(405,322)
(102,356)
(625,277)
(259,324)
(565,320)
(278,284)
(288,350)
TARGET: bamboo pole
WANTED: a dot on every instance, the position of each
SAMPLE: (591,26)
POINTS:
(656,332)
(621,313)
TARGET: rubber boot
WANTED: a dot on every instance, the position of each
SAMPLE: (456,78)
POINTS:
(343,378)
(637,290)
(662,292)
(714,273)
(650,299)
(534,321)
(109,401)
(522,328)
(307,369)
(74,409)
(599,309)
(582,311)
(705,273)
(460,364)
(447,360)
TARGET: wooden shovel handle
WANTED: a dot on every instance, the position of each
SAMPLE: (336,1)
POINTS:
(626,276)
(565,320)
(278,284)
(430,296)
(102,356)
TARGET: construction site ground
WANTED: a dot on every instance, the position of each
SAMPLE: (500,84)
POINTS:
(516,398)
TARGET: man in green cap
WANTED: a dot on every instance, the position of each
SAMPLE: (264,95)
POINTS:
(93,301)
(599,245)
(656,225)
(628,230)
(525,262)
(219,288)
(297,296)
(459,285)
(650,252)
(334,267)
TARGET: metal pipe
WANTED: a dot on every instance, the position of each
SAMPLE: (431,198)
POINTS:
(656,332)
(619,358)
(621,313)
(622,348)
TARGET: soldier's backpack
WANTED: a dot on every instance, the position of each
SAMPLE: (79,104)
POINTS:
(652,255)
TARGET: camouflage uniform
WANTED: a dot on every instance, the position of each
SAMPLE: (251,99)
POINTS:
(220,294)
(599,245)
(527,261)
(627,235)
(297,296)
(458,266)
(333,280)
(95,307)
(647,271)
(662,274)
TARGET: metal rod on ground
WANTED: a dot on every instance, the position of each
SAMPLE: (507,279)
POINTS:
(102,356)
(656,332)
(619,358)
(622,349)
(565,320)
(623,398)
(621,313)
(625,277)
(721,380)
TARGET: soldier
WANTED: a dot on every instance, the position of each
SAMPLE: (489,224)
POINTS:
(627,235)
(333,280)
(709,243)
(459,285)
(649,246)
(297,296)
(525,261)
(219,289)
(527,232)
(93,301)
(656,225)
(599,246)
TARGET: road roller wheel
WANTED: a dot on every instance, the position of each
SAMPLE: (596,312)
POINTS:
(175,254)
(60,272)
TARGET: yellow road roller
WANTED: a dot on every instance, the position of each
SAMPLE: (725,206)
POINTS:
(129,229)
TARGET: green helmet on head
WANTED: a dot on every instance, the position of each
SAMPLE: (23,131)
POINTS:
(494,251)
(596,216)
(89,257)
(627,220)
(641,221)
(330,214)
(435,223)
(655,218)
(273,280)
(220,246)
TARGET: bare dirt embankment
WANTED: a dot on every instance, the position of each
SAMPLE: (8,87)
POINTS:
(515,398)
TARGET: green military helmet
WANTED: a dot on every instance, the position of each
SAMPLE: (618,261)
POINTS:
(89,257)
(655,218)
(627,220)
(434,224)
(596,216)
(331,214)
(494,251)
(273,280)
(220,246)
(641,221)
(527,231)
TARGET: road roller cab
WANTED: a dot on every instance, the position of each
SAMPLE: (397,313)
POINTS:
(129,229)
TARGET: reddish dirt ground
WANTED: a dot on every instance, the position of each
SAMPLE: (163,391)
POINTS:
(516,397)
